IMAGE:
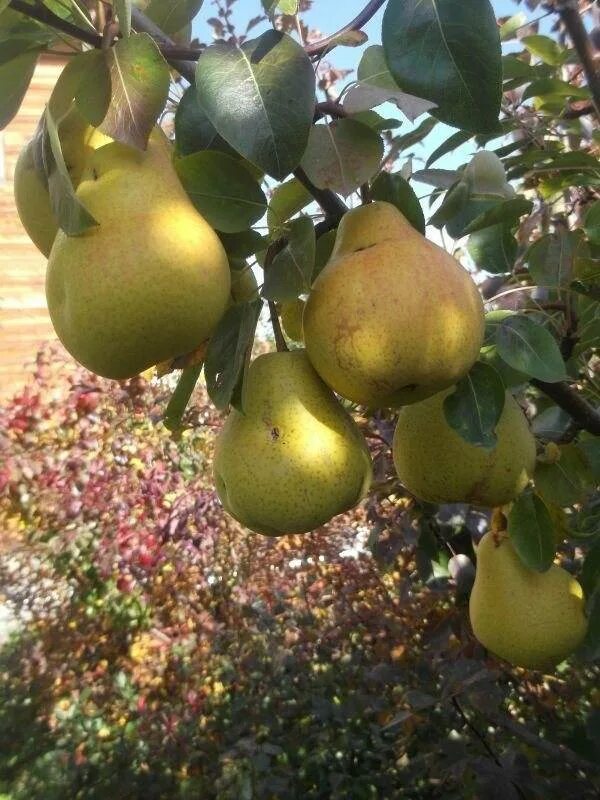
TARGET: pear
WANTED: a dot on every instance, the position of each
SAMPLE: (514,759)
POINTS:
(437,465)
(294,459)
(151,281)
(244,286)
(291,319)
(392,318)
(528,618)
(78,139)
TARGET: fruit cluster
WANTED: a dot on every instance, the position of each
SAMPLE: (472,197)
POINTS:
(392,321)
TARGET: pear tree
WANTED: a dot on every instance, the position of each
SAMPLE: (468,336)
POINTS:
(449,291)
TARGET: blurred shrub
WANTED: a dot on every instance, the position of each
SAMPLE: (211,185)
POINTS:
(163,652)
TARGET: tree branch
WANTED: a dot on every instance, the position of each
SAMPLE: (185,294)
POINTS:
(554,751)
(329,202)
(43,14)
(568,12)
(329,108)
(187,69)
(317,49)
(585,415)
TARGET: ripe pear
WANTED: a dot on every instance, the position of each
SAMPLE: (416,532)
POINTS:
(392,318)
(78,139)
(294,459)
(151,281)
(291,319)
(531,619)
(244,286)
(437,465)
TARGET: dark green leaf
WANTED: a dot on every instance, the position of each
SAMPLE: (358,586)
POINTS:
(493,249)
(507,212)
(398,191)
(342,155)
(181,397)
(260,98)
(72,216)
(173,15)
(323,251)
(590,573)
(290,273)
(530,348)
(552,424)
(590,648)
(222,190)
(416,136)
(550,259)
(242,244)
(15,77)
(448,53)
(456,140)
(140,85)
(375,121)
(531,531)
(228,351)
(592,223)
(286,201)
(566,481)
(93,92)
(453,203)
(440,178)
(193,129)
(474,408)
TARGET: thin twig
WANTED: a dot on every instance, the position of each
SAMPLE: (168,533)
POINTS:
(43,14)
(331,204)
(277,332)
(317,49)
(477,733)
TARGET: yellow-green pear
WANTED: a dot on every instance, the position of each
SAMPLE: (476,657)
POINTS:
(291,319)
(151,281)
(244,286)
(392,318)
(531,619)
(78,139)
(437,465)
(294,459)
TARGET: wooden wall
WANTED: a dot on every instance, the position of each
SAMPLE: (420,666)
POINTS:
(24,321)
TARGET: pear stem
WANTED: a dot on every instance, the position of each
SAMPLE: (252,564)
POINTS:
(277,332)
(332,205)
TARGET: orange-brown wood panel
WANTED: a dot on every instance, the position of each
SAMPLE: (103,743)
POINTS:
(24,320)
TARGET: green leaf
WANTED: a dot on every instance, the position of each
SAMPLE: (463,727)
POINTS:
(474,408)
(15,77)
(273,7)
(590,649)
(375,121)
(72,216)
(555,87)
(242,244)
(181,397)
(529,348)
(124,15)
(222,190)
(590,572)
(260,97)
(93,92)
(323,251)
(193,129)
(453,203)
(290,273)
(545,48)
(591,223)
(393,188)
(507,212)
(228,352)
(377,86)
(454,141)
(140,81)
(448,53)
(550,259)
(342,155)
(509,28)
(531,532)
(173,15)
(566,481)
(493,249)
(416,136)
(286,201)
